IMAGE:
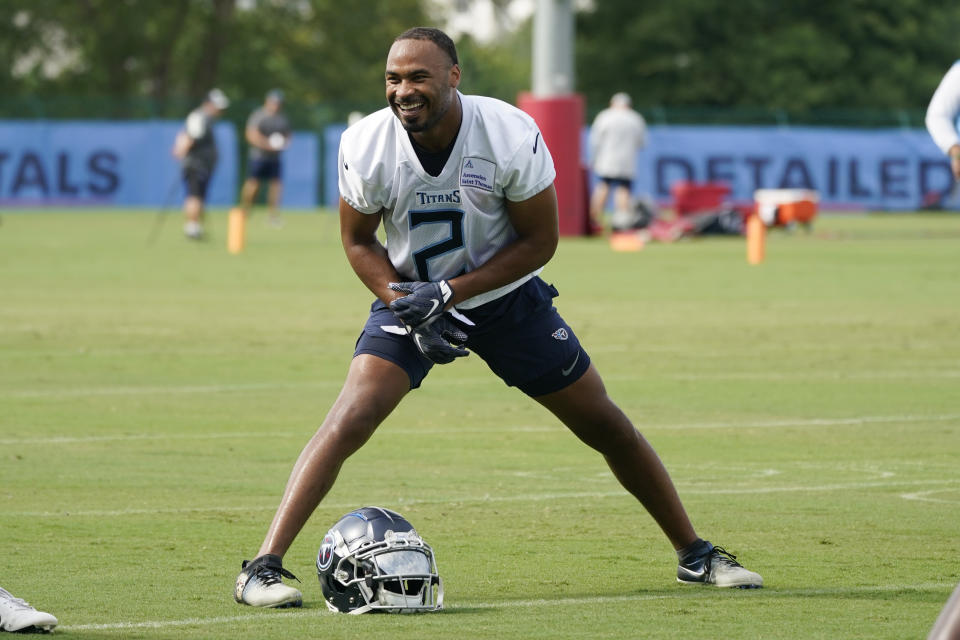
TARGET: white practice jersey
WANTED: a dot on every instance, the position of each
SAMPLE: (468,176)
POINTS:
(944,109)
(440,227)
(615,137)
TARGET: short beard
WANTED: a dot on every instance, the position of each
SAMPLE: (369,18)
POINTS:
(418,127)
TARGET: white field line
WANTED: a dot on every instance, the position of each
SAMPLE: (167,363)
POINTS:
(680,594)
(742,376)
(813,374)
(925,496)
(759,424)
(132,437)
(485,499)
(162,390)
(804,422)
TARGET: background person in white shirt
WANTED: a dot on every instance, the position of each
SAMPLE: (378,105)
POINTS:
(617,134)
(942,115)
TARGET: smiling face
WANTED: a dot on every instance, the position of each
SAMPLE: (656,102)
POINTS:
(422,87)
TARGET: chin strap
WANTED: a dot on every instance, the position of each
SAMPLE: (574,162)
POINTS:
(364,609)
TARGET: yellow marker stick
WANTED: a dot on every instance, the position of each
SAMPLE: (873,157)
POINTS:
(236,230)
(756,239)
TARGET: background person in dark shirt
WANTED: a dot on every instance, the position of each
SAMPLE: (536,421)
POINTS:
(196,149)
(268,133)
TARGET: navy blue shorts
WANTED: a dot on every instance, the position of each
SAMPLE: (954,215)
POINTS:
(618,182)
(265,169)
(520,336)
(196,181)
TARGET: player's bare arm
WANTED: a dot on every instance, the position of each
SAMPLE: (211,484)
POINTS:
(181,145)
(535,221)
(257,139)
(367,256)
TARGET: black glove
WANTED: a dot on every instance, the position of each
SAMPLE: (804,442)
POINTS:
(424,300)
(440,341)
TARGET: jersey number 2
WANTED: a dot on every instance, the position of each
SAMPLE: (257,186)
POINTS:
(422,257)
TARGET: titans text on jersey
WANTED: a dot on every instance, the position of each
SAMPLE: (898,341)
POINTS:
(452,197)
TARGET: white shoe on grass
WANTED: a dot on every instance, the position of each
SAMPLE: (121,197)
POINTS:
(720,568)
(259,584)
(17,615)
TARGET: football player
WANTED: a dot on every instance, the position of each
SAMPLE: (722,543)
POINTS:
(196,147)
(463,186)
(268,134)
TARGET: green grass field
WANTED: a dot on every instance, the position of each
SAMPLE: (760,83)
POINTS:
(153,400)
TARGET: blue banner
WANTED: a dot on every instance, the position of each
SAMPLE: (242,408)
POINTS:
(850,168)
(301,172)
(112,163)
(79,163)
(331,148)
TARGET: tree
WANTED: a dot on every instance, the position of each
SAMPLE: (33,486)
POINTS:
(317,50)
(787,54)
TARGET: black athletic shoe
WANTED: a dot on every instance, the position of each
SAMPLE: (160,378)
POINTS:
(259,584)
(718,567)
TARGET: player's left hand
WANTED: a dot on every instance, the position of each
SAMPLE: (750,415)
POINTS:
(440,340)
(424,300)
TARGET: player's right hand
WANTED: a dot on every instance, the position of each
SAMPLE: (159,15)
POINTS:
(422,302)
(440,341)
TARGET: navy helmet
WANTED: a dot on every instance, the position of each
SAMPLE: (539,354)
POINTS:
(372,560)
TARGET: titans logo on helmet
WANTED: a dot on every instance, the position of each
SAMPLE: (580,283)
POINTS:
(325,557)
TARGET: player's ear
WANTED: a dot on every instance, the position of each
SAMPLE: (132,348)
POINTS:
(455,76)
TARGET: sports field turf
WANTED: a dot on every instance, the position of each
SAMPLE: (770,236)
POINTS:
(153,400)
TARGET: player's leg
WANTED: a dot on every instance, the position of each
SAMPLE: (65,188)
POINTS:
(193,212)
(248,192)
(623,214)
(586,409)
(527,343)
(372,390)
(598,201)
(621,197)
(385,367)
(193,206)
(274,193)
(947,626)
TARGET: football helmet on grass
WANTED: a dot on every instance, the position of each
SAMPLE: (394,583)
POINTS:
(372,560)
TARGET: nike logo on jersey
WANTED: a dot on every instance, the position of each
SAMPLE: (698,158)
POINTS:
(535,142)
(566,372)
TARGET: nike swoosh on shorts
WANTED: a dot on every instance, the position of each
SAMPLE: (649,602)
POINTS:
(567,371)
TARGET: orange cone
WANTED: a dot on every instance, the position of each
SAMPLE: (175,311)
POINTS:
(756,239)
(236,230)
